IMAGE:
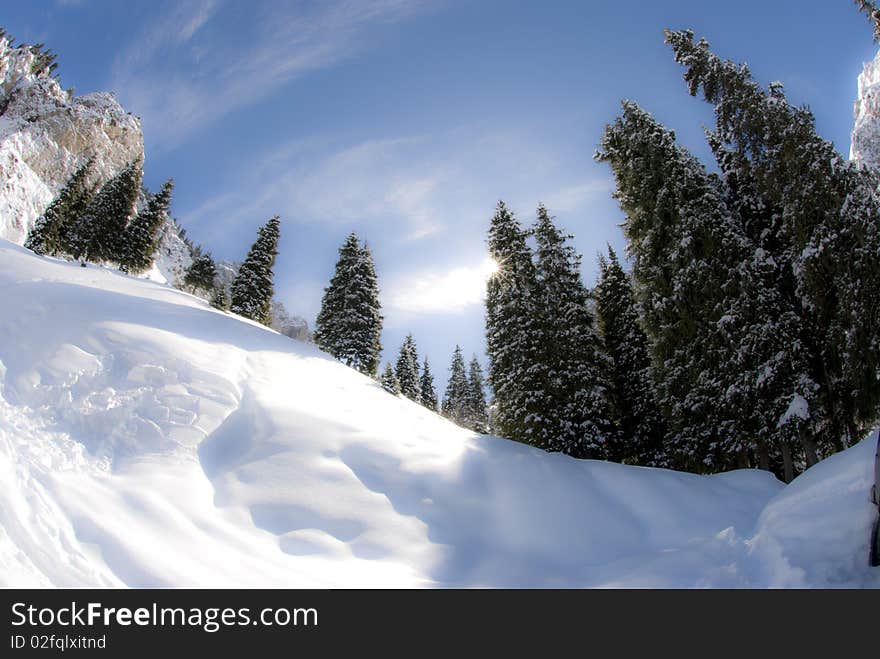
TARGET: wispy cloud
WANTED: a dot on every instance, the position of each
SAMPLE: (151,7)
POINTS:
(440,292)
(181,73)
(571,198)
(415,188)
(310,181)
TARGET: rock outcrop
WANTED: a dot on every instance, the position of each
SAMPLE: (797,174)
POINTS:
(46,133)
(865,148)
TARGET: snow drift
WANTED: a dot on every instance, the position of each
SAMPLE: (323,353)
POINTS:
(147,439)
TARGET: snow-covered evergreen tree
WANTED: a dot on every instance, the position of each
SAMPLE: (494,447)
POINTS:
(513,333)
(455,400)
(202,273)
(571,364)
(349,324)
(253,287)
(407,370)
(97,235)
(640,427)
(427,392)
(142,234)
(389,381)
(219,299)
(49,234)
(814,216)
(477,415)
(704,300)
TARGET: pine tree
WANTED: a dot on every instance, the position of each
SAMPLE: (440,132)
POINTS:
(44,63)
(349,325)
(219,299)
(814,216)
(427,392)
(513,334)
(49,233)
(97,235)
(640,427)
(202,273)
(704,301)
(407,370)
(571,363)
(142,234)
(252,288)
(389,380)
(872,13)
(477,413)
(455,400)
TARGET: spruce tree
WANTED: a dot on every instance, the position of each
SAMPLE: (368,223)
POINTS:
(407,370)
(142,234)
(640,427)
(814,216)
(427,392)
(513,333)
(49,234)
(389,381)
(571,363)
(455,400)
(477,412)
(97,235)
(202,273)
(252,288)
(219,299)
(349,324)
(716,327)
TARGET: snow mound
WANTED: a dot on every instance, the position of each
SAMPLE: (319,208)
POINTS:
(147,439)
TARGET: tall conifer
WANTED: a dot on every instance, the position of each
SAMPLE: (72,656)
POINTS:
(513,333)
(576,417)
(349,324)
(427,392)
(50,232)
(455,400)
(142,234)
(640,427)
(253,287)
(407,369)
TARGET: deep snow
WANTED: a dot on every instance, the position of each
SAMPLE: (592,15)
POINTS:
(147,439)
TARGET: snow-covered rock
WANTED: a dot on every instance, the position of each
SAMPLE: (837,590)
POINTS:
(865,147)
(46,133)
(173,256)
(147,439)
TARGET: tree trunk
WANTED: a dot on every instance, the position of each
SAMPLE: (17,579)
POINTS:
(787,463)
(809,445)
(743,459)
(763,457)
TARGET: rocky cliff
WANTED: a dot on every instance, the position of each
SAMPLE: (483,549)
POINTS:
(46,133)
(865,147)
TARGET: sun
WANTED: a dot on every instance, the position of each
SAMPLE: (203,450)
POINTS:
(490,267)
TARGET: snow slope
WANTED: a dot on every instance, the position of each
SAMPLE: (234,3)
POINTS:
(147,439)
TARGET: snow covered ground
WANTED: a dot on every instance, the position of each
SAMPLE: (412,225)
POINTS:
(147,439)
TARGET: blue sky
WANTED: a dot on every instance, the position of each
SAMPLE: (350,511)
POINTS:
(407,121)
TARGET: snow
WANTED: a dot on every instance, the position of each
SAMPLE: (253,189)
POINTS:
(798,408)
(147,439)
